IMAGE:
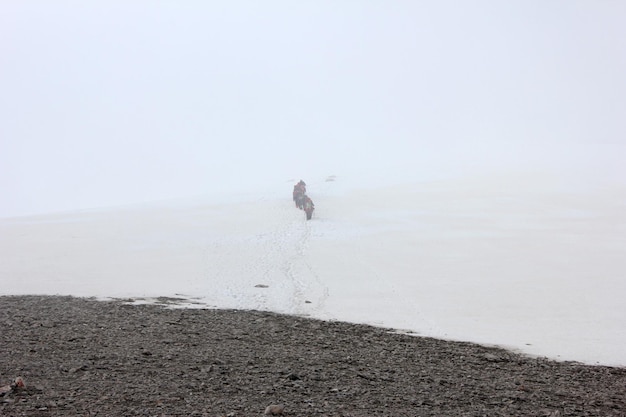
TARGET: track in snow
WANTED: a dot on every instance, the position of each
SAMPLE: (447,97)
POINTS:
(266,269)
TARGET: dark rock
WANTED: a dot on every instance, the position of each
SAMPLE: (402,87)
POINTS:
(150,360)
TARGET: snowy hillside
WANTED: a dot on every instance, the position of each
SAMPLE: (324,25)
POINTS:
(534,268)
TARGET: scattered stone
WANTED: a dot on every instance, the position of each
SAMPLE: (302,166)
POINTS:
(219,362)
(490,357)
(77,368)
(275,410)
(15,385)
(19,382)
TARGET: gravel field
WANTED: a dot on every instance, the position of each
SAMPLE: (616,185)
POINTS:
(81,357)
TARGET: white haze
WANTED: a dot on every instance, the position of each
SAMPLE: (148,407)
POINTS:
(530,267)
(478,151)
(108,103)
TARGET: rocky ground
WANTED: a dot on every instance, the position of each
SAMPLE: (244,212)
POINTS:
(92,358)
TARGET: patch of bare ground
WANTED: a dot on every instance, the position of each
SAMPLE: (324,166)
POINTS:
(80,357)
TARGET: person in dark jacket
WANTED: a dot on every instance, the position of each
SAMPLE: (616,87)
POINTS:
(299,190)
(308,207)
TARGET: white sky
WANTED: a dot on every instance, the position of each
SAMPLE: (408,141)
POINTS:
(111,102)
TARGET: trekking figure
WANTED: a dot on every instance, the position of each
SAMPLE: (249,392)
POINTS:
(308,207)
(299,190)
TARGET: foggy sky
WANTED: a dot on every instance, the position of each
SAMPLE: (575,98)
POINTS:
(112,102)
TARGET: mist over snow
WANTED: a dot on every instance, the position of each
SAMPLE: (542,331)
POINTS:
(530,267)
(466,161)
(112,103)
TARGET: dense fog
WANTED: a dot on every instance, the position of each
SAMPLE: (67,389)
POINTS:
(115,103)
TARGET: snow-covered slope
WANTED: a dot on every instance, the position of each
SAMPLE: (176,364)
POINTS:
(526,266)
